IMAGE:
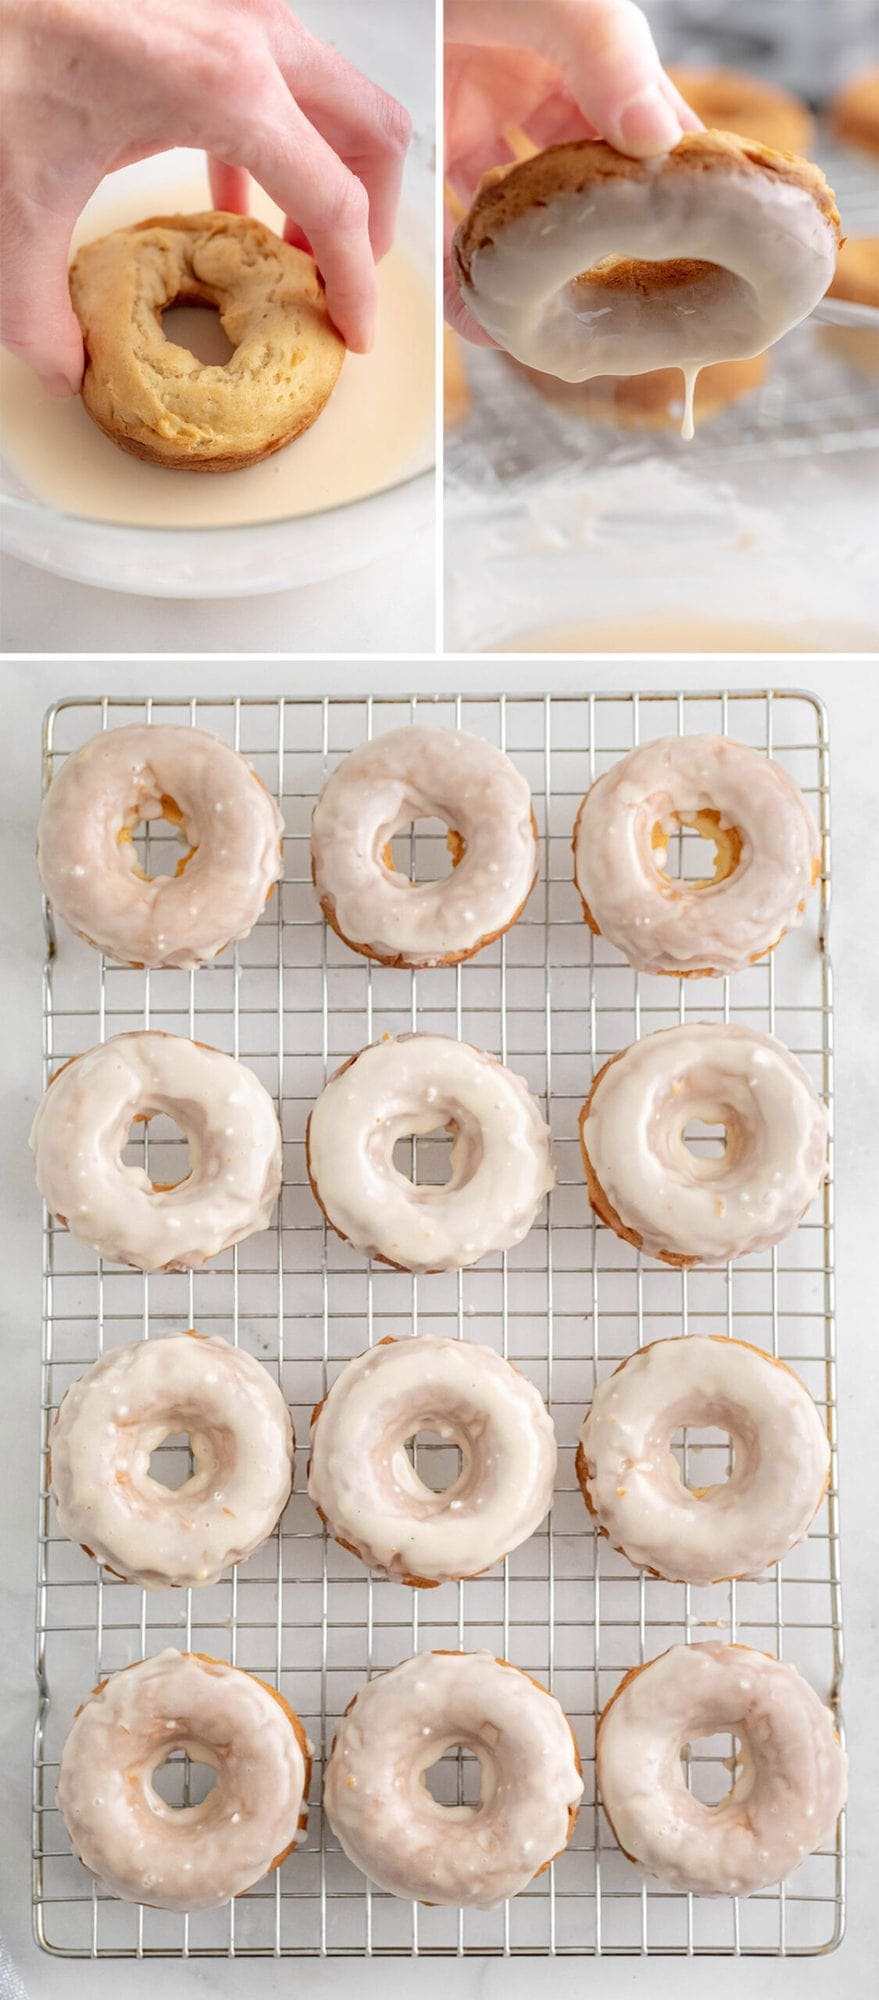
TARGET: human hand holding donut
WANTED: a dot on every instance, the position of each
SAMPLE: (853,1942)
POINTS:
(556,69)
(92,85)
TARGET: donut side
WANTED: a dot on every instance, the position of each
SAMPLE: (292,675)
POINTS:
(597,1196)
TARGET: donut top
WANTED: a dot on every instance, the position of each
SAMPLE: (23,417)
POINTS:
(620,841)
(88,863)
(420,773)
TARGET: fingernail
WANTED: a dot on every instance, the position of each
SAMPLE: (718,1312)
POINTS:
(648,121)
(58,385)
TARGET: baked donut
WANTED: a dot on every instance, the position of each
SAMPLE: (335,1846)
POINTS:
(790,1781)
(768,855)
(684,1208)
(160,402)
(408,1085)
(857,279)
(370,1495)
(631,1482)
(82,1125)
(729,100)
(381,787)
(456,389)
(582,262)
(655,401)
(118,1413)
(88,862)
(400,1725)
(190,1857)
(854,112)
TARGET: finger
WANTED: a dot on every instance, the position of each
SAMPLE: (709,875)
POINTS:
(230,188)
(685,112)
(37,320)
(368,129)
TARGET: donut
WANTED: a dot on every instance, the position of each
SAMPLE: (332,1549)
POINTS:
(768,855)
(118,1413)
(160,402)
(686,1208)
(857,279)
(400,1725)
(88,863)
(730,100)
(370,1495)
(191,1857)
(655,401)
(381,787)
(790,1780)
(630,1479)
(82,1125)
(854,112)
(582,262)
(501,1166)
(456,389)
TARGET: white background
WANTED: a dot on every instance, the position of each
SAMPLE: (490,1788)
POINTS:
(852,693)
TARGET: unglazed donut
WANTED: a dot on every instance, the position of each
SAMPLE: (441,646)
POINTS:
(116,1415)
(631,1481)
(684,1208)
(82,1125)
(730,100)
(399,1726)
(88,863)
(369,1494)
(417,773)
(501,1167)
(190,1857)
(582,262)
(160,402)
(790,1786)
(854,113)
(768,855)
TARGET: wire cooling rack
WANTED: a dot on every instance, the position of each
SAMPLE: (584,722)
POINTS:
(566,1305)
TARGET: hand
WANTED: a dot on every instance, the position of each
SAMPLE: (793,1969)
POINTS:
(91,85)
(555,69)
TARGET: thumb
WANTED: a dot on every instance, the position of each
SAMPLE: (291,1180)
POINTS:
(37,320)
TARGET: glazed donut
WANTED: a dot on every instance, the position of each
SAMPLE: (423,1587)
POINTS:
(370,1495)
(416,773)
(789,1789)
(631,1482)
(88,863)
(857,279)
(729,100)
(399,1726)
(501,1167)
(768,855)
(854,112)
(685,1209)
(655,401)
(190,1857)
(82,1125)
(118,1413)
(160,402)
(582,262)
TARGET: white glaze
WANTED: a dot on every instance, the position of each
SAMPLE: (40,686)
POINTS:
(775,250)
(779,1473)
(501,1169)
(117,1414)
(88,863)
(191,1857)
(380,788)
(82,1125)
(670,926)
(363,1482)
(700,1206)
(401,1724)
(788,1793)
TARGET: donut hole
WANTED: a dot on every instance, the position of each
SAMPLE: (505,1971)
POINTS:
(195,325)
(712,1766)
(182,1781)
(172,1463)
(427,1160)
(679,850)
(705,1140)
(456,1779)
(157,1146)
(704,1456)
(436,1459)
(426,850)
(154,841)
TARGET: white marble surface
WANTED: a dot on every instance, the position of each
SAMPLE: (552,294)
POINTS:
(852,692)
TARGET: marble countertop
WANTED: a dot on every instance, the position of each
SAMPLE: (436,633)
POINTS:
(852,693)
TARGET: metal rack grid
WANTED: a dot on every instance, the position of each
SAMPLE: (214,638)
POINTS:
(566,1305)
